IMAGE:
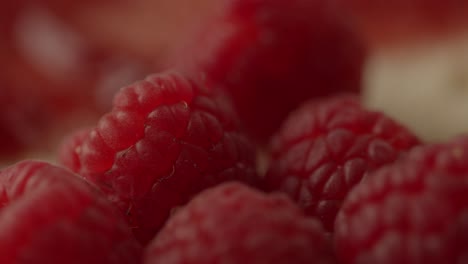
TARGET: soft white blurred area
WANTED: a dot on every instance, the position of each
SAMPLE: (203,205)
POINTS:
(424,85)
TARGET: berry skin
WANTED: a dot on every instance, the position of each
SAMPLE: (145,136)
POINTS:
(232,223)
(50,216)
(271,55)
(326,147)
(165,140)
(414,211)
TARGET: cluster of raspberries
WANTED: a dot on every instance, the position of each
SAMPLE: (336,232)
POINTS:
(254,149)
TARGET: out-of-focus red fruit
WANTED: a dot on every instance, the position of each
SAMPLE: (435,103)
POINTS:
(413,211)
(51,79)
(233,223)
(49,215)
(272,55)
(143,29)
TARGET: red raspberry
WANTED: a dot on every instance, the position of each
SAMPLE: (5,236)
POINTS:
(165,140)
(271,55)
(48,215)
(414,211)
(325,148)
(235,224)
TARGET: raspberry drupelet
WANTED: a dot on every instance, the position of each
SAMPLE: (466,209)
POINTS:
(166,139)
(48,215)
(232,223)
(326,147)
(414,211)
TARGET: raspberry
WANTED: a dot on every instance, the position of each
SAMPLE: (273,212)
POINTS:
(414,211)
(166,139)
(232,223)
(48,215)
(325,148)
(272,55)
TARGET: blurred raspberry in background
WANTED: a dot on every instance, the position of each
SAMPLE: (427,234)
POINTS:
(63,60)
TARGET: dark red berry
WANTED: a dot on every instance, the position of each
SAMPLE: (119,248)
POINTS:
(50,216)
(271,55)
(325,148)
(232,223)
(414,211)
(165,140)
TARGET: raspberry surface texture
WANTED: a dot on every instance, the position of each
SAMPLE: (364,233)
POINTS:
(165,140)
(326,147)
(271,55)
(233,223)
(414,211)
(48,215)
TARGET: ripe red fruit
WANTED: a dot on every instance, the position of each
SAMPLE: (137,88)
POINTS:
(165,140)
(232,223)
(270,55)
(414,211)
(326,147)
(48,215)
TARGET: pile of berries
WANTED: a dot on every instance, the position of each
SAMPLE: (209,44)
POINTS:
(254,148)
